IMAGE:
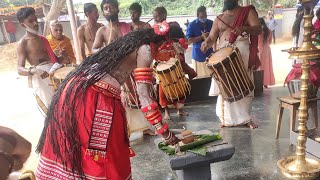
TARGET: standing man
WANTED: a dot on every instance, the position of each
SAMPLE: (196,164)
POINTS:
(233,27)
(136,11)
(60,43)
(37,52)
(11,30)
(87,32)
(197,31)
(272,23)
(115,29)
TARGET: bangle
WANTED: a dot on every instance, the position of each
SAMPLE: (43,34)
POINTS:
(155,117)
(156,120)
(163,129)
(146,73)
(29,71)
(153,114)
(143,70)
(169,136)
(152,106)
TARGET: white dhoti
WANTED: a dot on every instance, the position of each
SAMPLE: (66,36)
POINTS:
(238,112)
(41,87)
(201,69)
(136,120)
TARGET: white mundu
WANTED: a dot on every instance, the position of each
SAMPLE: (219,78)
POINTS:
(238,112)
(42,89)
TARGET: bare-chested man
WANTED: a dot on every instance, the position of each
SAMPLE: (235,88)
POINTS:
(235,26)
(36,51)
(136,11)
(87,32)
(115,29)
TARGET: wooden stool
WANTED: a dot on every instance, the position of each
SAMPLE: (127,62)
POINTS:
(293,104)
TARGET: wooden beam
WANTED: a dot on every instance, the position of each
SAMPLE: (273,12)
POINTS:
(4,32)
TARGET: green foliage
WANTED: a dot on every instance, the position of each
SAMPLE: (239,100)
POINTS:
(188,7)
(287,3)
(15,3)
(174,7)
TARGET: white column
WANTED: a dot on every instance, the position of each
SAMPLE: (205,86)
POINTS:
(74,30)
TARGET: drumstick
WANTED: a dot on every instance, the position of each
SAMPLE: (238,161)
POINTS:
(203,36)
(150,20)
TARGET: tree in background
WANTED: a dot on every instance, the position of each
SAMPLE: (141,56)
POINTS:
(188,7)
(52,14)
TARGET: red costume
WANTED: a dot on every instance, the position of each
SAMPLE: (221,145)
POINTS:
(254,61)
(164,53)
(103,136)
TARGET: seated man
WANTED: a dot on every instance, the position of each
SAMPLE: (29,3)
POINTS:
(60,43)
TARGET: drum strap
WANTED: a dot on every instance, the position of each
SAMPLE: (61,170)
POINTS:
(225,23)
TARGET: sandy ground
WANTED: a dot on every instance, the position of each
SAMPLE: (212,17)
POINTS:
(18,106)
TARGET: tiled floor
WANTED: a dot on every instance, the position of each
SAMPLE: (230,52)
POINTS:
(257,151)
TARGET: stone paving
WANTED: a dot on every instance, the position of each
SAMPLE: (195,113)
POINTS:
(257,151)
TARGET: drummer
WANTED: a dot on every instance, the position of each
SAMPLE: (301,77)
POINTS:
(36,50)
(160,16)
(235,26)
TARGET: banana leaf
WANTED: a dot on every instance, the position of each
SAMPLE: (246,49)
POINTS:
(195,146)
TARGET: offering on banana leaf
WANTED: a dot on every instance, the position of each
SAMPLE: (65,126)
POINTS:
(198,143)
(187,136)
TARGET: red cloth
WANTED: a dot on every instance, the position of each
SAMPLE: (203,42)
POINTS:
(125,28)
(164,102)
(266,59)
(254,61)
(105,113)
(316,25)
(296,73)
(10,27)
(47,46)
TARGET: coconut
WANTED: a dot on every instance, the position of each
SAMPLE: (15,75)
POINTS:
(188,139)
